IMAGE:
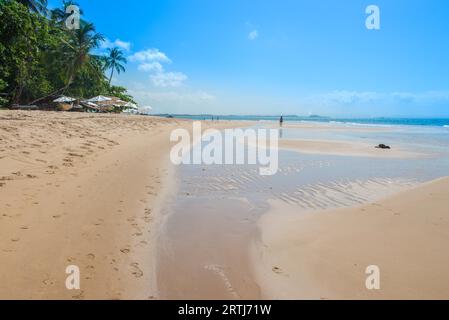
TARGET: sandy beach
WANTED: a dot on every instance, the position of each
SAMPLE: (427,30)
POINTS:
(98,191)
(81,189)
(324,255)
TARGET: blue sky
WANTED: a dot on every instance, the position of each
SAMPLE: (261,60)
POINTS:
(285,56)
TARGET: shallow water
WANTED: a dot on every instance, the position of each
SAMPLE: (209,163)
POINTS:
(213,218)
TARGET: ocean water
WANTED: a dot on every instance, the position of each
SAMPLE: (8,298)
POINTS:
(434,122)
(429,135)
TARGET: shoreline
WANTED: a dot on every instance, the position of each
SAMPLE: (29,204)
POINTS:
(323,254)
(99,191)
(87,200)
(169,242)
(84,190)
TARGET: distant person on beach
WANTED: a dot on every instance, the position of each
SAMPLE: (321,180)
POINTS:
(281,121)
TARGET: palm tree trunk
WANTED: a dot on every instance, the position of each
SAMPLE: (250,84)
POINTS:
(110,78)
(63,89)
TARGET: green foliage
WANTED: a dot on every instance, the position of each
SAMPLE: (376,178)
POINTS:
(38,6)
(115,61)
(59,15)
(40,58)
(3,101)
(120,92)
(24,35)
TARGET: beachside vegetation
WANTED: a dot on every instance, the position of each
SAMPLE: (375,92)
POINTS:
(40,58)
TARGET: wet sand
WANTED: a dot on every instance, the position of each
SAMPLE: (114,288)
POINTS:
(350,148)
(335,127)
(324,255)
(225,237)
(203,256)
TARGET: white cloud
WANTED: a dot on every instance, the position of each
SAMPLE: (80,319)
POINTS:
(152,61)
(348,97)
(168,79)
(151,67)
(172,100)
(344,97)
(149,55)
(117,43)
(156,97)
(428,96)
(253,35)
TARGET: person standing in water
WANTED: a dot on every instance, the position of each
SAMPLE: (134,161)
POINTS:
(281,121)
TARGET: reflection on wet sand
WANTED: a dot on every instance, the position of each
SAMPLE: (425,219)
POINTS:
(213,220)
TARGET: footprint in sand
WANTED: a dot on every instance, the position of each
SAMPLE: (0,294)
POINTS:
(277,270)
(125,250)
(47,282)
(91,256)
(90,267)
(136,271)
(79,296)
(72,154)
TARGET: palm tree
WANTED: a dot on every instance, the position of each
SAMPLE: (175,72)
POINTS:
(78,49)
(113,61)
(38,6)
(60,15)
(76,53)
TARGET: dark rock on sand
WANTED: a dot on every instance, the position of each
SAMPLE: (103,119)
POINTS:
(383,146)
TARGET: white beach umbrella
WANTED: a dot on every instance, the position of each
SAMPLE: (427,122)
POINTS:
(99,99)
(130,105)
(64,99)
(145,110)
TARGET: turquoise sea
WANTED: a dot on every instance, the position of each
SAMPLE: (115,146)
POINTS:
(436,122)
